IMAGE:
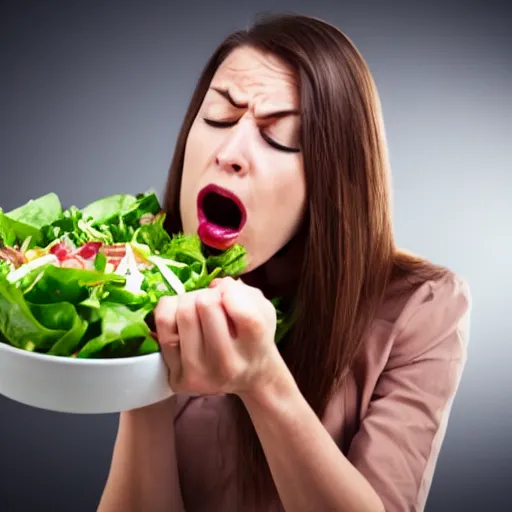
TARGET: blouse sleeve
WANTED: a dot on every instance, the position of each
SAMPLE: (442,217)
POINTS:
(398,442)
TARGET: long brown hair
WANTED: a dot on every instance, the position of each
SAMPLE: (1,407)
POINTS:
(349,255)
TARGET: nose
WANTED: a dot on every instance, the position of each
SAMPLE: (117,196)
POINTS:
(233,154)
(230,164)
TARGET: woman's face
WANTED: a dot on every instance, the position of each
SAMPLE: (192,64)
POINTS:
(243,176)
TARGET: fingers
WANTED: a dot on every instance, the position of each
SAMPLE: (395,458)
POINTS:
(165,320)
(216,283)
(201,333)
(168,337)
(215,324)
(239,301)
(190,331)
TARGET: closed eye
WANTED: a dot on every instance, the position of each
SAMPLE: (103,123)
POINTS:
(265,137)
(220,124)
(276,145)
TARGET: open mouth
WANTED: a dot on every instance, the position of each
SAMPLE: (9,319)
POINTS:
(222,211)
(221,216)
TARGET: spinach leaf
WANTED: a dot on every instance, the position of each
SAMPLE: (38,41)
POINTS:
(59,284)
(56,316)
(231,262)
(14,232)
(70,341)
(66,225)
(102,210)
(61,316)
(38,212)
(148,346)
(147,203)
(118,325)
(19,325)
(119,295)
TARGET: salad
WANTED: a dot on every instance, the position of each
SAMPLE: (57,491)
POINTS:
(84,282)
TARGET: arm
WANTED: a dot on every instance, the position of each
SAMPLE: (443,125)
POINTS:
(144,474)
(391,459)
(399,440)
(308,469)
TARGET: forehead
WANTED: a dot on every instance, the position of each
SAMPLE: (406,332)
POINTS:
(252,74)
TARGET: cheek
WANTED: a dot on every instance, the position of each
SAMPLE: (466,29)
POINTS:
(279,206)
(289,193)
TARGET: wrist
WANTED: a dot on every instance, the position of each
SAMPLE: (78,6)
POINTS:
(276,390)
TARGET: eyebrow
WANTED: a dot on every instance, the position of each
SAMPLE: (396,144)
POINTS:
(280,113)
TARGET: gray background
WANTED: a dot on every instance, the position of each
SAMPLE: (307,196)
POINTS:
(91,97)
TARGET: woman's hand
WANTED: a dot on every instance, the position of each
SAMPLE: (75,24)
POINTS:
(218,340)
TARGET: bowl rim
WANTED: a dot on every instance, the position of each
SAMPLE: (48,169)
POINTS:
(115,361)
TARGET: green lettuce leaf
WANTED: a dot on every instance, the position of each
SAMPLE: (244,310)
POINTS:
(120,327)
(284,319)
(104,209)
(186,249)
(19,325)
(58,284)
(153,236)
(231,262)
(119,295)
(148,346)
(128,207)
(38,212)
(147,204)
(66,225)
(14,232)
(68,344)
(61,316)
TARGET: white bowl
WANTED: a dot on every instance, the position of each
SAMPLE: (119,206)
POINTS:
(82,386)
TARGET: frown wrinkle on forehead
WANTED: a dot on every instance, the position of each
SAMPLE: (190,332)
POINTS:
(254,78)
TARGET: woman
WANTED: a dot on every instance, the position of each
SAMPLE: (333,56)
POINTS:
(349,410)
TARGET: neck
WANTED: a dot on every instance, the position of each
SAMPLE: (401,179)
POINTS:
(280,276)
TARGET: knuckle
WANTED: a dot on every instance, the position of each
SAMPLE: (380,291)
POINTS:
(227,284)
(209,298)
(254,324)
(169,343)
(246,317)
(164,308)
(185,313)
(163,321)
(166,302)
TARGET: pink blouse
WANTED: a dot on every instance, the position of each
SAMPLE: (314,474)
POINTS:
(389,419)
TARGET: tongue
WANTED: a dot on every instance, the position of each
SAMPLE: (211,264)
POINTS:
(218,237)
